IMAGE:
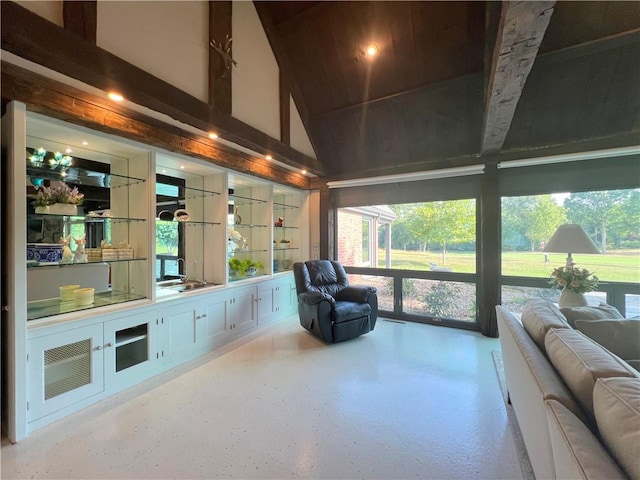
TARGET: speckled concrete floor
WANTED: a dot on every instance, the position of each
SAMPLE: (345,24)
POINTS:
(405,401)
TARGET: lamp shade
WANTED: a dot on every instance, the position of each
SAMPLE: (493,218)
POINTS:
(570,238)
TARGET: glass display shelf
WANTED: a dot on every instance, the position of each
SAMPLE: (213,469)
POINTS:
(80,176)
(55,306)
(238,252)
(236,278)
(278,205)
(284,249)
(284,227)
(247,225)
(191,223)
(36,264)
(246,200)
(78,219)
(191,193)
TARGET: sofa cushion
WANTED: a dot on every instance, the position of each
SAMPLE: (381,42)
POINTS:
(346,311)
(577,453)
(621,337)
(590,312)
(616,403)
(580,362)
(538,316)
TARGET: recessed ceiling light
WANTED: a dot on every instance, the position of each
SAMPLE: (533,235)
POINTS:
(303,171)
(213,135)
(68,150)
(372,50)
(268,157)
(181,167)
(164,171)
(85,143)
(115,96)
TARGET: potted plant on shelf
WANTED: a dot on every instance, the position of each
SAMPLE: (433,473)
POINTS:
(240,268)
(236,267)
(284,243)
(252,267)
(58,200)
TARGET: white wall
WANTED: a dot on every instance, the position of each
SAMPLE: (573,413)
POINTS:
(299,138)
(168,39)
(50,9)
(256,81)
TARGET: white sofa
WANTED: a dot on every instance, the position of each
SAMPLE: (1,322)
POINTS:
(577,404)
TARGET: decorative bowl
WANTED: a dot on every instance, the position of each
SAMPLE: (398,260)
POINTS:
(67,292)
(84,296)
(44,252)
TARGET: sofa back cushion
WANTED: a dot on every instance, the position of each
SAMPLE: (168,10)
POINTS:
(616,404)
(590,312)
(538,316)
(577,452)
(620,337)
(580,362)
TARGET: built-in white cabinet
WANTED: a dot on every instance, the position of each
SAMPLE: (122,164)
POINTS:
(276,299)
(147,216)
(286,229)
(242,309)
(72,365)
(178,324)
(64,369)
(213,328)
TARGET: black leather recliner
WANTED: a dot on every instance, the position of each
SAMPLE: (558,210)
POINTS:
(328,306)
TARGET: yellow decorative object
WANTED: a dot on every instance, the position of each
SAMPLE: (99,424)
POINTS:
(67,292)
(84,296)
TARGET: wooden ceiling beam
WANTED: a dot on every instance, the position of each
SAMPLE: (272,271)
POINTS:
(520,32)
(220,13)
(81,18)
(55,99)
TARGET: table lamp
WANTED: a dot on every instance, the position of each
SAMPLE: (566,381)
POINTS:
(570,238)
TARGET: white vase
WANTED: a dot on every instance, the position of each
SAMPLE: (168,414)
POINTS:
(569,298)
(42,210)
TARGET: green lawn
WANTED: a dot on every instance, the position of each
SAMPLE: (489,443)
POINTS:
(620,266)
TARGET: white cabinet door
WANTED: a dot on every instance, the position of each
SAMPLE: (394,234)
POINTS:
(267,303)
(213,324)
(243,309)
(179,325)
(64,369)
(130,350)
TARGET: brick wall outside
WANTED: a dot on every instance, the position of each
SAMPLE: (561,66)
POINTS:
(349,238)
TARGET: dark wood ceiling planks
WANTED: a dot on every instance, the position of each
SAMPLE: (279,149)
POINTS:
(420,104)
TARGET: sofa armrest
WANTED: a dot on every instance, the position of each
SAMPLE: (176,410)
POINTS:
(314,298)
(356,293)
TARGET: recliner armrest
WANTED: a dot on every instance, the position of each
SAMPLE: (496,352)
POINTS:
(356,293)
(314,298)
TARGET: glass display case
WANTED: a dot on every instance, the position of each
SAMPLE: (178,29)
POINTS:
(286,229)
(248,233)
(86,243)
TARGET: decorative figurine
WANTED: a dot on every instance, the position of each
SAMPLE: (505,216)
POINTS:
(279,222)
(80,255)
(66,251)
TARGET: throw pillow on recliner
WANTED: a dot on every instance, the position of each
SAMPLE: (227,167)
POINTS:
(590,312)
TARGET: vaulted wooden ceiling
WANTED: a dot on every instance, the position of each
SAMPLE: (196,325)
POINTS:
(454,81)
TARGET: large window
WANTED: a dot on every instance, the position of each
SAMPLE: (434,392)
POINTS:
(610,218)
(429,246)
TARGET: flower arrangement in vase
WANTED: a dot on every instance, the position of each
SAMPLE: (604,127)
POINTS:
(574,283)
(60,199)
